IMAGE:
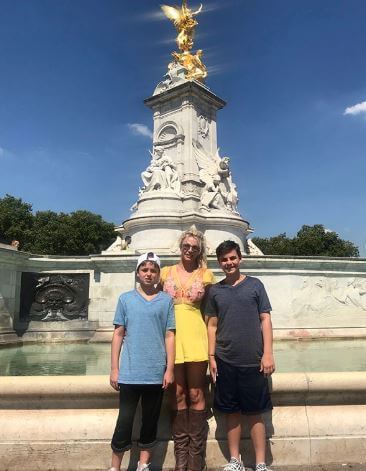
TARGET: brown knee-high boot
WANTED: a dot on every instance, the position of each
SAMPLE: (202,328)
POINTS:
(198,428)
(181,439)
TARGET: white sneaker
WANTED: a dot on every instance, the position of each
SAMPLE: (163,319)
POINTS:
(234,465)
(262,467)
(143,467)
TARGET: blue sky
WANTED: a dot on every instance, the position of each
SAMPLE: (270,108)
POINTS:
(75,73)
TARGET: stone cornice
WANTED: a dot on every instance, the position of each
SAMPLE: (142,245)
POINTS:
(187,88)
(261,265)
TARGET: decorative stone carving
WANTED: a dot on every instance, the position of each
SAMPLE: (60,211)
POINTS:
(251,248)
(54,297)
(121,243)
(167,133)
(219,191)
(328,294)
(175,76)
(203,126)
(212,196)
(191,188)
(160,175)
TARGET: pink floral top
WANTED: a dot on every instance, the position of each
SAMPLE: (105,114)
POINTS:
(192,291)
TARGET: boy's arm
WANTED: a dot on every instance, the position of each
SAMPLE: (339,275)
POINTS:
(211,334)
(170,358)
(117,339)
(267,362)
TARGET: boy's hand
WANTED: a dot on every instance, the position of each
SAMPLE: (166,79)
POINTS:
(267,364)
(168,379)
(213,369)
(113,379)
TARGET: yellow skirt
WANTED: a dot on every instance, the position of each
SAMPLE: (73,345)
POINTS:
(191,335)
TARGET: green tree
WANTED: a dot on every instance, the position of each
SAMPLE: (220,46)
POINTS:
(316,240)
(277,245)
(16,220)
(78,233)
(309,241)
(48,232)
(91,234)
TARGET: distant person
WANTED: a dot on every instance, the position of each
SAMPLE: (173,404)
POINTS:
(144,323)
(186,282)
(240,353)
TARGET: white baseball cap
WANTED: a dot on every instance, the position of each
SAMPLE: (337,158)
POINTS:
(148,256)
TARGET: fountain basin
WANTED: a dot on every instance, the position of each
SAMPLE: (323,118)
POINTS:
(67,422)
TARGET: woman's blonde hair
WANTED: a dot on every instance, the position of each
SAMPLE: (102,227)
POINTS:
(194,232)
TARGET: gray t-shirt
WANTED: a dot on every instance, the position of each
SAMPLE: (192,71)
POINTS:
(239,340)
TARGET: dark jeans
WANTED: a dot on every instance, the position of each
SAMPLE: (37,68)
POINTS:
(129,395)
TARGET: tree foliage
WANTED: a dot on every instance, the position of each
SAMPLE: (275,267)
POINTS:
(48,232)
(16,219)
(309,241)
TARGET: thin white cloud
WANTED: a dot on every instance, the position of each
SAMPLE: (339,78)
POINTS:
(140,130)
(2,152)
(356,109)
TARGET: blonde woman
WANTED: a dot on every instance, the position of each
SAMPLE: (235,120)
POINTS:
(186,282)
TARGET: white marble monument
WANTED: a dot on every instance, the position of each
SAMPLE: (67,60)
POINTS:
(186,181)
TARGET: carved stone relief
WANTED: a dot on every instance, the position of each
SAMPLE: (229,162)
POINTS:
(160,175)
(219,192)
(54,297)
(324,294)
(167,133)
(203,126)
(191,188)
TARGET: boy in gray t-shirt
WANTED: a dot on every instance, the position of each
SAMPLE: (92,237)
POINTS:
(240,352)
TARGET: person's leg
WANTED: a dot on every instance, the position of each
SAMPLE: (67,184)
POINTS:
(258,436)
(255,399)
(196,382)
(144,459)
(180,417)
(178,390)
(151,399)
(197,415)
(121,441)
(227,400)
(233,430)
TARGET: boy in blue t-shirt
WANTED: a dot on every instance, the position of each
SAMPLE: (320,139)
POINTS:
(144,322)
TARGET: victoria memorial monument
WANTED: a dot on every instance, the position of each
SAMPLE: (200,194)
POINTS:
(187,182)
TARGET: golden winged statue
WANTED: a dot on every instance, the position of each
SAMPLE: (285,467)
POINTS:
(185,23)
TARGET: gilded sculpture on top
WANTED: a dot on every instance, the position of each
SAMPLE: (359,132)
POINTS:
(185,23)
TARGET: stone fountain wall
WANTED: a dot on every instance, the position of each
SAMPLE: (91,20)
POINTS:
(310,297)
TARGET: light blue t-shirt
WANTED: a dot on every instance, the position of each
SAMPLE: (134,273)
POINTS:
(143,356)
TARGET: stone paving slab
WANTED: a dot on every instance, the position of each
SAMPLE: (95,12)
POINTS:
(330,467)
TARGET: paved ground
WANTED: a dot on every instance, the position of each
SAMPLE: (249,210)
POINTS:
(328,467)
